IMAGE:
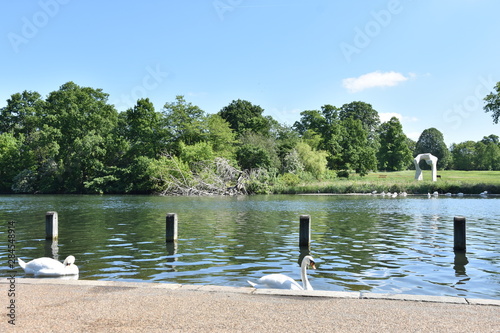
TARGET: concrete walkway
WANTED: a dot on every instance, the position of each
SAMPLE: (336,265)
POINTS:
(52,305)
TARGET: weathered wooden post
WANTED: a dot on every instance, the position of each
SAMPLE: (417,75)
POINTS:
(51,226)
(459,233)
(305,231)
(171,227)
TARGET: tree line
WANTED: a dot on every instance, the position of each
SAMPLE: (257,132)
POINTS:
(74,141)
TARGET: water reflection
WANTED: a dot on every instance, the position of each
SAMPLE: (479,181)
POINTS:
(52,249)
(361,243)
(459,263)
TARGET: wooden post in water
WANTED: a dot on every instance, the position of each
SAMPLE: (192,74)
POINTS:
(51,225)
(305,231)
(459,233)
(171,228)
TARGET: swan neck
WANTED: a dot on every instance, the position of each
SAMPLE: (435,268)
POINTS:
(303,275)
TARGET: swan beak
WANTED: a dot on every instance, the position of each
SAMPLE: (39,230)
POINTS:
(313,265)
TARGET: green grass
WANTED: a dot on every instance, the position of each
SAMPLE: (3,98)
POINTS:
(468,182)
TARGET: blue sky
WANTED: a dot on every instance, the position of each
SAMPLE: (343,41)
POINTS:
(428,62)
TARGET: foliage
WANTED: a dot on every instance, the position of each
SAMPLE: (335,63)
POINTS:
(243,117)
(313,161)
(493,103)
(394,153)
(184,122)
(143,130)
(75,141)
(431,141)
(363,112)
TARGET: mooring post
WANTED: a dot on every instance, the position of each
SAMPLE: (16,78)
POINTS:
(459,233)
(171,227)
(305,231)
(51,225)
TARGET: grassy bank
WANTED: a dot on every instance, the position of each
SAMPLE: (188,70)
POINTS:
(467,182)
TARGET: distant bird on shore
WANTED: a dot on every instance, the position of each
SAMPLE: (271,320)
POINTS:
(281,281)
(49,267)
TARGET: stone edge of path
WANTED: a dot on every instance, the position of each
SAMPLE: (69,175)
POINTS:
(254,291)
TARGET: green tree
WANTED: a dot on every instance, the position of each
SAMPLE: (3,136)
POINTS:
(394,153)
(84,124)
(184,122)
(431,141)
(314,161)
(143,129)
(310,121)
(493,103)
(10,158)
(488,155)
(356,152)
(492,138)
(464,155)
(221,136)
(258,151)
(22,113)
(194,154)
(243,117)
(253,157)
(363,112)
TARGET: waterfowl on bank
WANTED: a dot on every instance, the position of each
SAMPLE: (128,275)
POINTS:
(49,267)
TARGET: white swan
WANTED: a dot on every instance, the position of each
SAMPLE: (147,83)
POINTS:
(49,267)
(281,281)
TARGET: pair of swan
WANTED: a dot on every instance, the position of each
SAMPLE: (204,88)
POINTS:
(49,267)
(281,281)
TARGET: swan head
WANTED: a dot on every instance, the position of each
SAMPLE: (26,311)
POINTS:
(309,262)
(70,260)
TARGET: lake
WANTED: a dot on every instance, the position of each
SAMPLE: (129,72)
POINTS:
(360,243)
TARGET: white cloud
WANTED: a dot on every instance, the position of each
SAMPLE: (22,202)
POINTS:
(374,79)
(403,119)
(384,117)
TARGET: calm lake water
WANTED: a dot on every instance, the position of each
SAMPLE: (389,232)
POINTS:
(360,243)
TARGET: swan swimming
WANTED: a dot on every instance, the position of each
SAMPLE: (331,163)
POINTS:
(49,267)
(281,281)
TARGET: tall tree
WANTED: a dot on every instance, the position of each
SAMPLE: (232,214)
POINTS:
(310,120)
(184,122)
(356,152)
(394,153)
(464,155)
(220,136)
(488,155)
(84,123)
(10,156)
(432,141)
(493,103)
(22,113)
(363,112)
(243,117)
(143,129)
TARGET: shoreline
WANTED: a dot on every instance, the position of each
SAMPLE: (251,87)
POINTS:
(257,291)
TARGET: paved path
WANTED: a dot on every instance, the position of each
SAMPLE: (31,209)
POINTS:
(50,305)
